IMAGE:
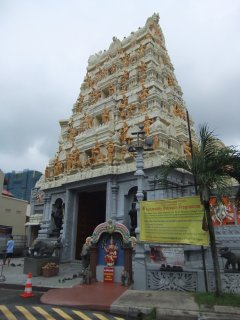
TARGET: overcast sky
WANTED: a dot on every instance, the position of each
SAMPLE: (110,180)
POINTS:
(45,46)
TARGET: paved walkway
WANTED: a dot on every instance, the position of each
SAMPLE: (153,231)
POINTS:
(97,296)
(67,289)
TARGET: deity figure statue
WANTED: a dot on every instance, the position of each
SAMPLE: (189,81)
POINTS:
(80,99)
(179,112)
(58,214)
(110,149)
(105,115)
(147,123)
(165,60)
(72,133)
(187,150)
(89,81)
(47,173)
(85,253)
(78,106)
(76,163)
(95,95)
(101,73)
(123,107)
(88,161)
(126,59)
(144,93)
(148,36)
(111,89)
(111,255)
(155,142)
(133,217)
(113,68)
(69,162)
(131,109)
(142,67)
(82,127)
(141,49)
(123,132)
(123,153)
(88,120)
(97,156)
(124,77)
(170,81)
(143,108)
(153,27)
(58,167)
(120,51)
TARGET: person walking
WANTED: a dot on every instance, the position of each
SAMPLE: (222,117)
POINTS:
(9,250)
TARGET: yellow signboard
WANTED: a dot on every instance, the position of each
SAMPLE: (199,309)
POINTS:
(173,221)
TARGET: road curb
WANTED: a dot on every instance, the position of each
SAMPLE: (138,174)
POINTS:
(21,287)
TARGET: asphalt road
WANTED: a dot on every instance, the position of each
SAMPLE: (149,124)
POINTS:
(14,307)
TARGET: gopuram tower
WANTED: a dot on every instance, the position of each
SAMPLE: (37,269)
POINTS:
(92,174)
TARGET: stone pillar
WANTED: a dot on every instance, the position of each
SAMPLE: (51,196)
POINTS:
(140,273)
(128,262)
(45,228)
(67,230)
(93,262)
(114,188)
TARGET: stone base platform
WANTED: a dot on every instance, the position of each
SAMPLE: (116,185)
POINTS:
(34,265)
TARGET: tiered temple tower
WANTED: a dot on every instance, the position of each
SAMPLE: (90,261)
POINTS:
(129,84)
(91,178)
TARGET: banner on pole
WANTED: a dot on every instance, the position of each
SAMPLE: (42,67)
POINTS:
(176,221)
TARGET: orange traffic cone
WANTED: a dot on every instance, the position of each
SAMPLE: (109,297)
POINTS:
(28,287)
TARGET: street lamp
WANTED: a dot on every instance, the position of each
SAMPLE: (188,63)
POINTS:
(139,148)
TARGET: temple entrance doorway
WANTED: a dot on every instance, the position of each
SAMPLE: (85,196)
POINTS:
(91,212)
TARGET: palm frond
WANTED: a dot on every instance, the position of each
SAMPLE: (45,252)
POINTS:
(212,163)
(173,164)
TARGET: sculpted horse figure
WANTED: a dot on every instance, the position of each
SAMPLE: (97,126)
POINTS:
(221,212)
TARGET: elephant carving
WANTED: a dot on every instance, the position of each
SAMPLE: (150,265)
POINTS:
(233,260)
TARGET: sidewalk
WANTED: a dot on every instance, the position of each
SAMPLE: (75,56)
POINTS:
(68,275)
(67,290)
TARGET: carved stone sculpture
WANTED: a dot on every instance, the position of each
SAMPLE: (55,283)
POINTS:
(144,93)
(88,120)
(85,253)
(42,248)
(147,123)
(110,149)
(187,150)
(233,260)
(105,115)
(111,89)
(123,132)
(133,217)
(97,155)
(58,215)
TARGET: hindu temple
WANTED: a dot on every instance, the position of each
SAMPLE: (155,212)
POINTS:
(129,87)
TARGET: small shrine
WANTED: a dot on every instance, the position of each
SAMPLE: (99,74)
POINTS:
(111,253)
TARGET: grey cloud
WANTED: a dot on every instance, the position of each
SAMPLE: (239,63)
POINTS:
(46,45)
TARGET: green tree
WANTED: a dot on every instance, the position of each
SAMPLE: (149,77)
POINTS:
(208,165)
